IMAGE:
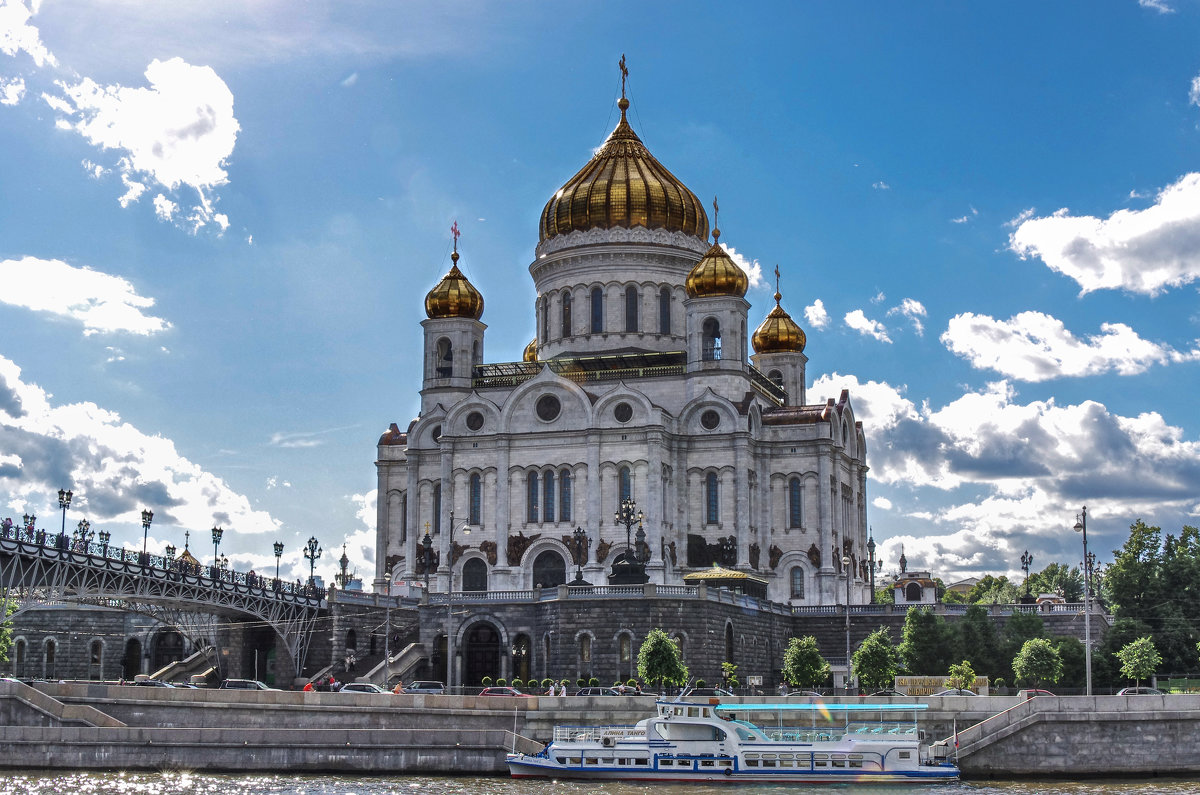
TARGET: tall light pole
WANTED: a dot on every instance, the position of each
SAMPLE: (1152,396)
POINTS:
(871,559)
(849,574)
(427,546)
(466,530)
(629,515)
(217,532)
(147,518)
(312,551)
(82,533)
(1081,527)
(1026,562)
(278,555)
(64,502)
(579,547)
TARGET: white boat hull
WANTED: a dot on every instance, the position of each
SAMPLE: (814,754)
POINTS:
(522,766)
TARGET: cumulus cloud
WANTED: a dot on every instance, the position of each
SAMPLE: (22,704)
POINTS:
(1033,346)
(101,302)
(816,315)
(751,267)
(858,321)
(1142,251)
(1194,93)
(18,36)
(177,132)
(114,469)
(912,309)
(962,219)
(11,91)
(1158,5)
(881,185)
(882,503)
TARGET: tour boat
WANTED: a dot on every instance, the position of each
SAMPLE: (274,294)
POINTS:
(809,743)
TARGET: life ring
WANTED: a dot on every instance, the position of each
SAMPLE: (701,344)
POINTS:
(608,741)
(729,771)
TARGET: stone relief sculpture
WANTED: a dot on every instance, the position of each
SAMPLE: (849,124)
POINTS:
(701,554)
(488,548)
(774,553)
(755,550)
(814,556)
(602,550)
(517,544)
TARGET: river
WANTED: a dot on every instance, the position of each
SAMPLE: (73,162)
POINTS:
(29,782)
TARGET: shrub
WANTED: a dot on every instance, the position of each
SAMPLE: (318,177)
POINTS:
(502,682)
(486,681)
(631,682)
(547,682)
(518,683)
(593,682)
(998,682)
(701,683)
(581,682)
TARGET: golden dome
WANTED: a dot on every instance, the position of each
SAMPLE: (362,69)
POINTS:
(778,333)
(454,296)
(623,186)
(716,274)
(530,354)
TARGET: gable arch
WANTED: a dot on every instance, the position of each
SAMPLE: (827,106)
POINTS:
(519,411)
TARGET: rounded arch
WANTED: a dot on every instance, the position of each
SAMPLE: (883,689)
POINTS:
(710,344)
(482,641)
(691,414)
(443,358)
(789,562)
(426,431)
(576,411)
(456,420)
(548,569)
(643,409)
(474,573)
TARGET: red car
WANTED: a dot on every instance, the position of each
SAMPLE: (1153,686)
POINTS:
(501,691)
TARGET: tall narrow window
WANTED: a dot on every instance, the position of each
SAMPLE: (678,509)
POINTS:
(711,503)
(531,497)
(437,508)
(48,661)
(711,350)
(566,315)
(597,310)
(403,517)
(794,504)
(585,649)
(631,308)
(797,582)
(626,485)
(444,366)
(664,310)
(476,488)
(545,324)
(564,495)
(548,497)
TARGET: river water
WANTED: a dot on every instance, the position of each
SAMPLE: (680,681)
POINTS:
(69,783)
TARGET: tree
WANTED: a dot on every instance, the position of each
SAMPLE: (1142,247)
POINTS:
(659,660)
(10,607)
(1139,660)
(992,589)
(928,645)
(962,676)
(1020,627)
(803,665)
(980,644)
(729,675)
(877,660)
(1060,579)
(1037,662)
(1074,662)
(885,595)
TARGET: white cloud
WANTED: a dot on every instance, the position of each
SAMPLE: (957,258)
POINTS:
(101,302)
(303,439)
(962,219)
(11,91)
(1144,251)
(912,309)
(881,185)
(1158,5)
(751,267)
(858,321)
(879,298)
(178,132)
(1033,346)
(17,35)
(114,469)
(164,208)
(1194,93)
(882,503)
(816,315)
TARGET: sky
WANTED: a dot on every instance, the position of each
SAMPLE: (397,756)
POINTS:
(219,219)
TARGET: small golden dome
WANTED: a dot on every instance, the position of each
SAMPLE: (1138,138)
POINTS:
(454,296)
(778,333)
(530,354)
(716,274)
(623,186)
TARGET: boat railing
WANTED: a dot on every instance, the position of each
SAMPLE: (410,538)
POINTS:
(595,733)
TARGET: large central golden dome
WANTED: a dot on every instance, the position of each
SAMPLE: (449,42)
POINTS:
(623,186)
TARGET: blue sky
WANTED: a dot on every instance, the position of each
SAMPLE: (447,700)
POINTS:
(218,221)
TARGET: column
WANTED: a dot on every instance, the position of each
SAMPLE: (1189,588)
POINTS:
(503,486)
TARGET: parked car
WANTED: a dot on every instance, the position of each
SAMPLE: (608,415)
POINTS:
(956,692)
(596,691)
(244,684)
(362,687)
(706,691)
(426,687)
(887,693)
(1030,692)
(501,691)
(1140,691)
(152,683)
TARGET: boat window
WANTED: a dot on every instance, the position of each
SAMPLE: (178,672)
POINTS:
(693,712)
(641,761)
(768,756)
(820,756)
(573,760)
(666,762)
(724,763)
(856,756)
(855,763)
(562,760)
(751,763)
(768,763)
(785,763)
(905,755)
(785,756)
(591,760)
(706,763)
(752,756)
(705,713)
(820,764)
(838,762)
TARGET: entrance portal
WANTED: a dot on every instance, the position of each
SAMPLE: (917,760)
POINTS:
(481,653)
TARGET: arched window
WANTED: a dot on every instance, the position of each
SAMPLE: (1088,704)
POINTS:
(729,643)
(597,310)
(545,324)
(564,495)
(531,497)
(797,582)
(626,487)
(664,310)
(351,640)
(444,366)
(48,661)
(631,308)
(549,570)
(776,378)
(566,315)
(794,505)
(437,508)
(912,592)
(712,504)
(476,497)
(474,575)
(548,497)
(711,350)
(19,658)
(585,654)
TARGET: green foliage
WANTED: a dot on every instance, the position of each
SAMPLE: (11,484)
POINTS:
(659,660)
(991,590)
(877,661)
(961,676)
(581,682)
(1038,662)
(803,665)
(998,682)
(1074,668)
(518,683)
(10,607)
(954,598)
(885,596)
(547,682)
(1020,627)
(928,647)
(593,681)
(1139,659)
(631,682)
(981,644)
(701,683)
(1060,579)
(501,682)
(729,675)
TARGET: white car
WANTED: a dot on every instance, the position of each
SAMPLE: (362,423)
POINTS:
(362,687)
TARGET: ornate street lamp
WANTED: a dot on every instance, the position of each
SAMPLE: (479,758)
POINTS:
(170,554)
(82,535)
(427,545)
(1081,527)
(105,537)
(871,559)
(579,547)
(629,515)
(147,518)
(1026,562)
(278,555)
(64,502)
(849,574)
(312,551)
(217,532)
(466,530)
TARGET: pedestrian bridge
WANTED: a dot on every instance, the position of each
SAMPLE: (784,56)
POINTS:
(37,567)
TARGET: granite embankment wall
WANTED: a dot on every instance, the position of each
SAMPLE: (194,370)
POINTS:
(110,727)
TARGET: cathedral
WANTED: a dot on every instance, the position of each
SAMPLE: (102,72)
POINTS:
(646,435)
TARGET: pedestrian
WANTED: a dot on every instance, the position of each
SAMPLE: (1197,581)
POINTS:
(308,687)
(399,688)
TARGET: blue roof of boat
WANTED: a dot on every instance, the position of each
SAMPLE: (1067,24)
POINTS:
(821,707)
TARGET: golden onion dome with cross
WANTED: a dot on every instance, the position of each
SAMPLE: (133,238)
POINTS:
(778,333)
(623,185)
(716,273)
(530,354)
(454,295)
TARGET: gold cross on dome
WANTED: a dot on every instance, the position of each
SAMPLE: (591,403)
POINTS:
(454,231)
(624,74)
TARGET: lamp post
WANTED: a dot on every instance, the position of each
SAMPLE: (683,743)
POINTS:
(217,532)
(278,555)
(1081,527)
(629,515)
(147,518)
(105,537)
(871,558)
(466,530)
(64,502)
(82,535)
(1026,562)
(312,551)
(427,545)
(170,554)
(580,544)
(849,574)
